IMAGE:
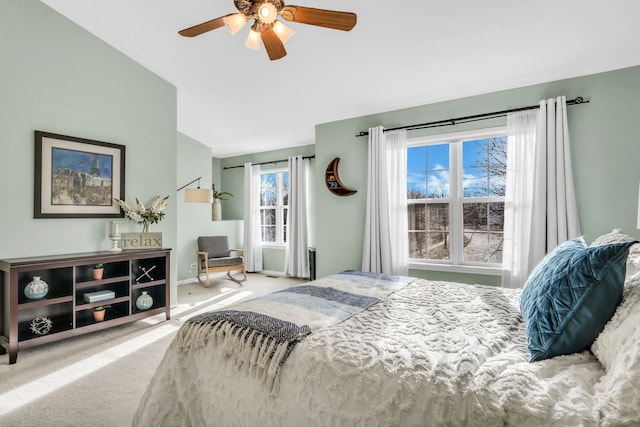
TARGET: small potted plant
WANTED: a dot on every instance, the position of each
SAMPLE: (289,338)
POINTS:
(216,213)
(99,312)
(98,269)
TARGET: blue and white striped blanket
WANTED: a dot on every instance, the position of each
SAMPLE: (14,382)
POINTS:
(259,334)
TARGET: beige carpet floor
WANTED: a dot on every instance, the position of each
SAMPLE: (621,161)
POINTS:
(98,379)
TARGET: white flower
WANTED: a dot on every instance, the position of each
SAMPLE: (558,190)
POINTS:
(145,215)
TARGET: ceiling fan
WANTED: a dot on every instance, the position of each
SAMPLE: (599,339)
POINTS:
(266,27)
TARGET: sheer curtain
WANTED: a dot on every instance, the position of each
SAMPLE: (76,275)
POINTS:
(296,262)
(385,237)
(252,236)
(540,205)
(518,206)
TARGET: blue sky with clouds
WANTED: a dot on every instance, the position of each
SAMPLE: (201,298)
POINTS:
(429,170)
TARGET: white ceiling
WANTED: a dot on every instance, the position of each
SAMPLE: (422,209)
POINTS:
(400,54)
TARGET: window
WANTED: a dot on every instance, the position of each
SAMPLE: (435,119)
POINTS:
(274,200)
(455,194)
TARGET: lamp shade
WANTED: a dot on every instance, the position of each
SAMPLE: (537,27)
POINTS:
(235,22)
(284,32)
(253,40)
(198,195)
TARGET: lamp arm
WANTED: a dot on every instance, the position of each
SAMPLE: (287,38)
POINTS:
(197,179)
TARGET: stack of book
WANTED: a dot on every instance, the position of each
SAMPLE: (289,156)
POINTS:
(99,296)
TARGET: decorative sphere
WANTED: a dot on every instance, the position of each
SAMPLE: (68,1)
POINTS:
(41,325)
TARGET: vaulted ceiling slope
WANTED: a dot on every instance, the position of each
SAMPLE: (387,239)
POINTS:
(400,54)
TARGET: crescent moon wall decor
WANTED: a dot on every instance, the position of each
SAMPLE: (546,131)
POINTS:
(332,179)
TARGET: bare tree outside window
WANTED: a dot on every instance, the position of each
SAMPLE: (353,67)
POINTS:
(268,204)
(484,174)
(481,201)
(428,182)
(274,199)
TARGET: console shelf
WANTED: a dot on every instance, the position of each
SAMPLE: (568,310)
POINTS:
(64,311)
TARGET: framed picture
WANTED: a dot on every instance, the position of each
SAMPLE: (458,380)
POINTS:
(77,178)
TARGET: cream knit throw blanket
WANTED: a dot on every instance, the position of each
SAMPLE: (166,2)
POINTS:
(259,334)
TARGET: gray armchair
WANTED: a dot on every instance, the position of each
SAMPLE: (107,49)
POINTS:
(214,256)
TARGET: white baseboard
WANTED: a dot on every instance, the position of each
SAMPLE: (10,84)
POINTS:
(187,281)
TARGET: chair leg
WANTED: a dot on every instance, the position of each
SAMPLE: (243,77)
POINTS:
(206,282)
(238,281)
(201,270)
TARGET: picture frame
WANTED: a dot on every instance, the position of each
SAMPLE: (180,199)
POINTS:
(77,177)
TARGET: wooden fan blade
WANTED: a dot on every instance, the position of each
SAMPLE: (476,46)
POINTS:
(196,30)
(344,21)
(273,44)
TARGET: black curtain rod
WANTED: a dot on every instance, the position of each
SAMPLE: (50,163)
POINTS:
(267,163)
(474,118)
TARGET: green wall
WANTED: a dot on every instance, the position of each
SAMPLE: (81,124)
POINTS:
(604,141)
(194,160)
(232,180)
(57,77)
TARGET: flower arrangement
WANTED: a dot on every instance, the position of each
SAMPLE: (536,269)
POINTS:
(222,195)
(151,214)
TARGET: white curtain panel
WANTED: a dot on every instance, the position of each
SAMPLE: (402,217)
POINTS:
(252,236)
(385,248)
(518,206)
(296,262)
(553,216)
(560,209)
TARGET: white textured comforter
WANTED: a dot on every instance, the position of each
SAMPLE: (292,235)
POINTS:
(431,354)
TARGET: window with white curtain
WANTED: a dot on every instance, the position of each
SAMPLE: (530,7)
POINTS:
(455,197)
(274,201)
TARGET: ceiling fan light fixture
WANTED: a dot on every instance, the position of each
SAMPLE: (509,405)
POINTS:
(235,22)
(266,29)
(253,40)
(267,13)
(283,32)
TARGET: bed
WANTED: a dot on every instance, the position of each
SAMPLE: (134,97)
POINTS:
(396,351)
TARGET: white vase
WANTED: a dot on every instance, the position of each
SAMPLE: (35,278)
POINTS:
(216,212)
(36,289)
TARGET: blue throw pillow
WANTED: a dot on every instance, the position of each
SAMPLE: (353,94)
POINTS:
(570,295)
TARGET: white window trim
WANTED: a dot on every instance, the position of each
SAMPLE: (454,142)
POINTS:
(447,137)
(454,264)
(279,211)
(272,245)
(490,269)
